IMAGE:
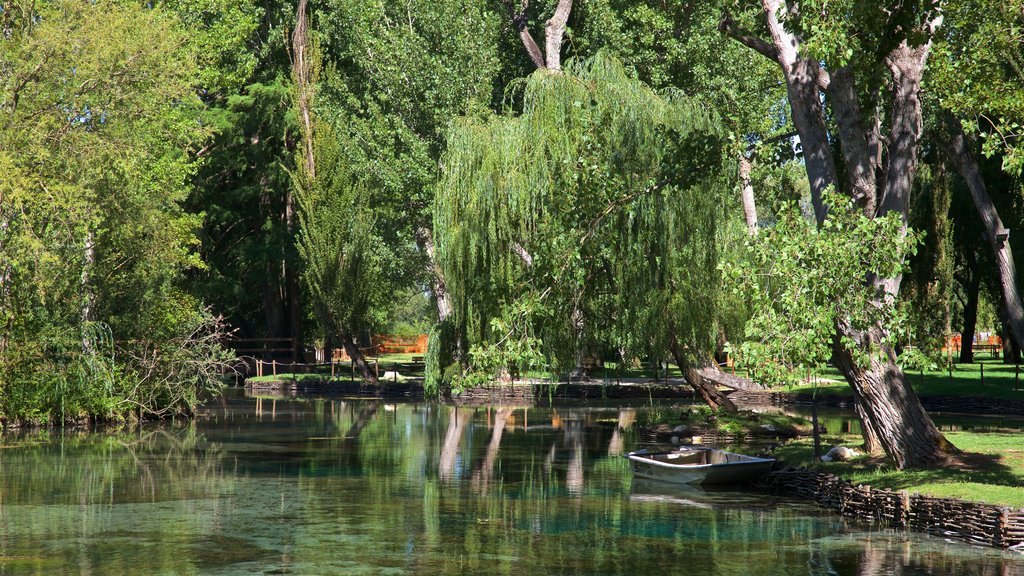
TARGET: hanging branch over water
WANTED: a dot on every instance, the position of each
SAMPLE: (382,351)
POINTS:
(587,221)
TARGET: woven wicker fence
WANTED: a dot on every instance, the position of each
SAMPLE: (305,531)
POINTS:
(972,522)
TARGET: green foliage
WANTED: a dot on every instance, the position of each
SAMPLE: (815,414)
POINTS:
(242,189)
(99,119)
(802,280)
(345,259)
(398,75)
(976,74)
(587,220)
(927,290)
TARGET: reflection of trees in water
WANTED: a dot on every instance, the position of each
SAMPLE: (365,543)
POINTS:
(144,465)
(482,476)
(366,415)
(99,487)
(573,438)
(457,420)
(627,416)
(454,490)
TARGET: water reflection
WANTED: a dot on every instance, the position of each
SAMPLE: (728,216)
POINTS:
(360,486)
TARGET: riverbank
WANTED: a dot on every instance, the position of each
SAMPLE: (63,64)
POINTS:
(990,470)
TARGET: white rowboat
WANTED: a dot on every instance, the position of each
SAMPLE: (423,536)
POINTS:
(698,465)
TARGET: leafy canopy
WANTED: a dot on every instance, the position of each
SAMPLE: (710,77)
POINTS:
(801,280)
(578,221)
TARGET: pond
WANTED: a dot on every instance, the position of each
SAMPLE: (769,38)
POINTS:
(349,486)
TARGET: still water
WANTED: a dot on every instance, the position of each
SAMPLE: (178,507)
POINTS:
(367,487)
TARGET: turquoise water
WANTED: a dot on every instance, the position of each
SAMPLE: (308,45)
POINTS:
(364,487)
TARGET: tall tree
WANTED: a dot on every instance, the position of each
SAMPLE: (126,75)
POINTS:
(337,242)
(100,120)
(243,185)
(896,39)
(401,72)
(599,202)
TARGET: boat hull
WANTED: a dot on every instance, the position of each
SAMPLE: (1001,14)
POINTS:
(698,466)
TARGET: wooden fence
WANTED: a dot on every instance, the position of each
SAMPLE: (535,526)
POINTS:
(971,522)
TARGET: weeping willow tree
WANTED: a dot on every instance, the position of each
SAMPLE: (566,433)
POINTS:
(584,226)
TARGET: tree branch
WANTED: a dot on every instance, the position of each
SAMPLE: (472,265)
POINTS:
(728,27)
(519,21)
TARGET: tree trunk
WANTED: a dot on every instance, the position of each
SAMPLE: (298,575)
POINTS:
(1011,354)
(273,304)
(554,30)
(707,390)
(872,445)
(302,72)
(749,205)
(357,357)
(889,406)
(805,104)
(890,411)
(995,233)
(435,278)
(85,312)
(860,173)
(291,285)
(970,318)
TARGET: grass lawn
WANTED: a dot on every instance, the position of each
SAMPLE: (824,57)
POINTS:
(992,468)
(1000,381)
(342,370)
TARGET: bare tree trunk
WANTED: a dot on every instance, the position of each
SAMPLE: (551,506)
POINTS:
(357,357)
(706,389)
(872,445)
(303,74)
(997,235)
(1011,353)
(554,30)
(85,312)
(291,285)
(888,405)
(853,137)
(438,287)
(519,21)
(805,104)
(749,205)
(970,318)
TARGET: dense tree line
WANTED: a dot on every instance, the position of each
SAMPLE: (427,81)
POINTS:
(546,186)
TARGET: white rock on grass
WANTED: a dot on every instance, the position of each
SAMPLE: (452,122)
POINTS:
(840,453)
